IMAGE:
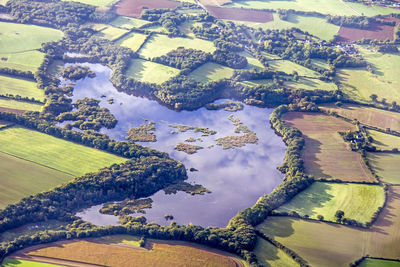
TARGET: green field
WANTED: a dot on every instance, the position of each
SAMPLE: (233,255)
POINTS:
(159,45)
(126,240)
(384,141)
(8,262)
(21,105)
(384,81)
(311,84)
(253,63)
(25,61)
(21,87)
(211,72)
(316,26)
(147,71)
(53,152)
(368,262)
(332,7)
(269,255)
(94,2)
(16,184)
(133,41)
(289,67)
(358,201)
(31,229)
(386,166)
(111,33)
(128,23)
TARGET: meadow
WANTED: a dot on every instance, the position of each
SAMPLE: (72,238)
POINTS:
(128,23)
(331,7)
(211,72)
(19,105)
(311,84)
(53,152)
(269,255)
(386,166)
(252,62)
(21,87)
(368,262)
(132,41)
(160,254)
(358,201)
(111,33)
(382,119)
(384,141)
(24,263)
(325,149)
(25,61)
(147,71)
(289,67)
(158,45)
(16,184)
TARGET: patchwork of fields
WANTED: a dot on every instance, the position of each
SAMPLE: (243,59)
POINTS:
(269,255)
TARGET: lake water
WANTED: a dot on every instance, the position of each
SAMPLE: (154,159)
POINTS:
(236,177)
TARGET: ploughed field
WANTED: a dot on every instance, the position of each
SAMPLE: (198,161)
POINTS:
(133,8)
(240,14)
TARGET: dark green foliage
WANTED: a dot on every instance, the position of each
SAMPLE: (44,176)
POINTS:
(76,72)
(229,59)
(184,59)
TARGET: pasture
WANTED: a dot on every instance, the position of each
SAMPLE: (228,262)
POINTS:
(311,84)
(19,105)
(386,166)
(16,184)
(133,8)
(368,262)
(9,262)
(53,152)
(325,149)
(128,23)
(252,62)
(384,141)
(111,33)
(269,255)
(21,87)
(382,119)
(132,41)
(147,71)
(358,201)
(211,72)
(25,61)
(289,67)
(331,7)
(158,45)
(161,254)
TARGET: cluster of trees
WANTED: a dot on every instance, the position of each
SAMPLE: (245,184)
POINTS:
(21,98)
(88,116)
(18,73)
(169,19)
(387,48)
(184,59)
(229,59)
(207,30)
(360,22)
(76,72)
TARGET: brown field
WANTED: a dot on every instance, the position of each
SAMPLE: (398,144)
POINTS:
(240,14)
(375,32)
(18,111)
(369,116)
(215,2)
(133,8)
(93,252)
(327,244)
(325,154)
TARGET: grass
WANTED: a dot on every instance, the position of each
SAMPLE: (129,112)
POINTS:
(128,23)
(14,104)
(369,116)
(133,41)
(21,87)
(384,81)
(25,61)
(358,201)
(332,7)
(253,63)
(269,255)
(147,71)
(211,72)
(311,84)
(386,166)
(159,45)
(368,262)
(316,26)
(161,254)
(53,152)
(95,2)
(17,38)
(111,33)
(325,149)
(289,67)
(56,67)
(8,262)
(16,184)
(384,141)
(127,240)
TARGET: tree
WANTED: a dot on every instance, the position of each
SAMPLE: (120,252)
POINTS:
(373,97)
(339,215)
(320,217)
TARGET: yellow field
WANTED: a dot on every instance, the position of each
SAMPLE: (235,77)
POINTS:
(384,141)
(386,166)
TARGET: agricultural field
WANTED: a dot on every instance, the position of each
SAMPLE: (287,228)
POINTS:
(133,8)
(374,32)
(25,61)
(128,23)
(158,45)
(132,41)
(52,152)
(311,84)
(16,184)
(99,3)
(289,67)
(253,63)
(358,201)
(211,72)
(21,87)
(383,141)
(18,106)
(330,7)
(386,166)
(147,71)
(325,149)
(112,33)
(159,253)
(368,262)
(382,119)
(269,255)
(240,14)
(24,263)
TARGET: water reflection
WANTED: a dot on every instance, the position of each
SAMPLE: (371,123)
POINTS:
(236,177)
